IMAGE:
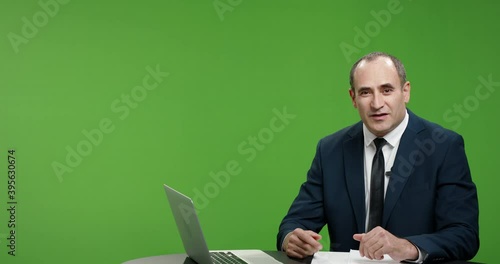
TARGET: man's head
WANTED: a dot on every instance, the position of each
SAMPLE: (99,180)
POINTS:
(379,91)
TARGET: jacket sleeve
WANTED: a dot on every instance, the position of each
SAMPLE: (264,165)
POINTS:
(456,211)
(307,210)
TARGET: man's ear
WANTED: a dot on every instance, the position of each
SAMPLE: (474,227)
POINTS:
(352,94)
(406,91)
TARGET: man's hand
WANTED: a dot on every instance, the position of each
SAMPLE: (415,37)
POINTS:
(379,241)
(301,243)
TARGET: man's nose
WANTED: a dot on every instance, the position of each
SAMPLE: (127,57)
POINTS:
(377,101)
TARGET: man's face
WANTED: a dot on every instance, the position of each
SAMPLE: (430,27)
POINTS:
(378,95)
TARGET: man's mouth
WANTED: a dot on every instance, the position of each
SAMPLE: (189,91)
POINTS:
(381,116)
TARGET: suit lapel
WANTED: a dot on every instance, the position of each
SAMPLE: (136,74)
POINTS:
(403,165)
(354,165)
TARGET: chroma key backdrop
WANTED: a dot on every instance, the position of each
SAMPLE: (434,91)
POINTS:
(103,102)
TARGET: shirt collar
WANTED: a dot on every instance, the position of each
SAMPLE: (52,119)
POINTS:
(392,137)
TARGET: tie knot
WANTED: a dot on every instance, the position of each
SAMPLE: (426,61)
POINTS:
(379,143)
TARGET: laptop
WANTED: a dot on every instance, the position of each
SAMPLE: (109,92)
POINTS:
(192,236)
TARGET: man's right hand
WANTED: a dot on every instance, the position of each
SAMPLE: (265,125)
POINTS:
(301,243)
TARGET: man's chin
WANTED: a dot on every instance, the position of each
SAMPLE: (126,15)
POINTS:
(379,131)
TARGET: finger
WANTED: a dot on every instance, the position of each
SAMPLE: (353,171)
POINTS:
(371,238)
(294,251)
(294,254)
(314,235)
(364,248)
(376,250)
(308,239)
(300,246)
(377,242)
(379,253)
(358,237)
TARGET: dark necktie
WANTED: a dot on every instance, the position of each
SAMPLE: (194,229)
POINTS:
(377,186)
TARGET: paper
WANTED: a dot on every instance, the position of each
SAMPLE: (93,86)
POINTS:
(324,257)
(355,258)
(254,256)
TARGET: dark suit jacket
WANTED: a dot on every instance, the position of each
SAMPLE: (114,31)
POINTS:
(430,199)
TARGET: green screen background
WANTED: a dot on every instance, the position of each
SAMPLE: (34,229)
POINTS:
(229,64)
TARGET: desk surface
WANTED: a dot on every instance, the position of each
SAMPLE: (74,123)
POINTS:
(280,256)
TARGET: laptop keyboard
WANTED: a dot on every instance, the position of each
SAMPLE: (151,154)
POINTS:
(225,258)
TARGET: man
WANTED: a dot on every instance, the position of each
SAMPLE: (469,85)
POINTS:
(392,184)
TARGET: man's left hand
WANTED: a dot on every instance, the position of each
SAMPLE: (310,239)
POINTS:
(379,241)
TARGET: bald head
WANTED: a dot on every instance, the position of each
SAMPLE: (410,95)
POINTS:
(374,56)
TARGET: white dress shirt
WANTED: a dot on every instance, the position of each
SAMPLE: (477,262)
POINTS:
(390,149)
